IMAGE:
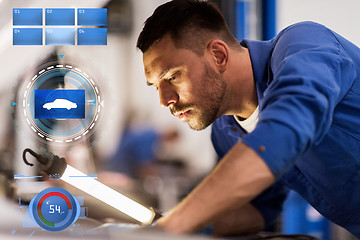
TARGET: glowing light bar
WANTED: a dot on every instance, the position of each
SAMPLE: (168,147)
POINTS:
(108,195)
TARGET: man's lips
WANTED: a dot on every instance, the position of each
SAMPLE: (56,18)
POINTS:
(182,115)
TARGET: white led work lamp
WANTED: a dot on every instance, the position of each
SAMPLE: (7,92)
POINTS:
(54,165)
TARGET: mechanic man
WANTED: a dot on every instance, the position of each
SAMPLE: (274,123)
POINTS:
(285,115)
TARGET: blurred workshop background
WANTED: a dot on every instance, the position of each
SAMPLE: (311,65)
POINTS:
(138,148)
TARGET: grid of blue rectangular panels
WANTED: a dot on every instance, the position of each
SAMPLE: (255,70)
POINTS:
(96,17)
(92,16)
(27,16)
(60,36)
(92,36)
(60,16)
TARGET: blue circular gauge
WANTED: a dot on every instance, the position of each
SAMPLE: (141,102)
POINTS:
(54,209)
(45,96)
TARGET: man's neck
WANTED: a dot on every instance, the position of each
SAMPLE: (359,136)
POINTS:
(241,97)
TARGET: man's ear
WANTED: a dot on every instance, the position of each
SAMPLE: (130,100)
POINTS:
(219,51)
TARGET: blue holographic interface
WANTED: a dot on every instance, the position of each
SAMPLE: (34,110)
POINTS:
(60,26)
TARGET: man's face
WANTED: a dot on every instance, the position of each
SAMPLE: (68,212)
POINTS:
(186,83)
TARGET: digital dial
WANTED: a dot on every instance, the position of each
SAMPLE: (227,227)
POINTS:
(54,209)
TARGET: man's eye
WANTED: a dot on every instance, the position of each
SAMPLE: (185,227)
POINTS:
(175,77)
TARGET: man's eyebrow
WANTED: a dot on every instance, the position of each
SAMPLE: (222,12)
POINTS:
(163,73)
(160,76)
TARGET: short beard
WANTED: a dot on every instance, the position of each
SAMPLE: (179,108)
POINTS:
(213,87)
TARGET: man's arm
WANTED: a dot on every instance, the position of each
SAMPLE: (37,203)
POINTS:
(245,220)
(239,177)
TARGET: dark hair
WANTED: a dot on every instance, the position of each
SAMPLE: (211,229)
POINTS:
(188,22)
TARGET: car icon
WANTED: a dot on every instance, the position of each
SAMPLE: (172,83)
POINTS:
(60,103)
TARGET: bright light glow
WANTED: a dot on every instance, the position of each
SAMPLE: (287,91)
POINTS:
(107,195)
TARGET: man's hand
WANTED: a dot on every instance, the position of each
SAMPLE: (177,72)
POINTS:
(239,177)
(245,220)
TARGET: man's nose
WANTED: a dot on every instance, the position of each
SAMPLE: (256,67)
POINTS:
(167,95)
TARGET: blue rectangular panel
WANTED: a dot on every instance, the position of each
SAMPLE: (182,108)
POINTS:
(27,16)
(92,16)
(92,36)
(27,36)
(60,16)
(60,36)
(60,104)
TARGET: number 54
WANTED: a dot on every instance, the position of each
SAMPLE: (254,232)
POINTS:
(52,210)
